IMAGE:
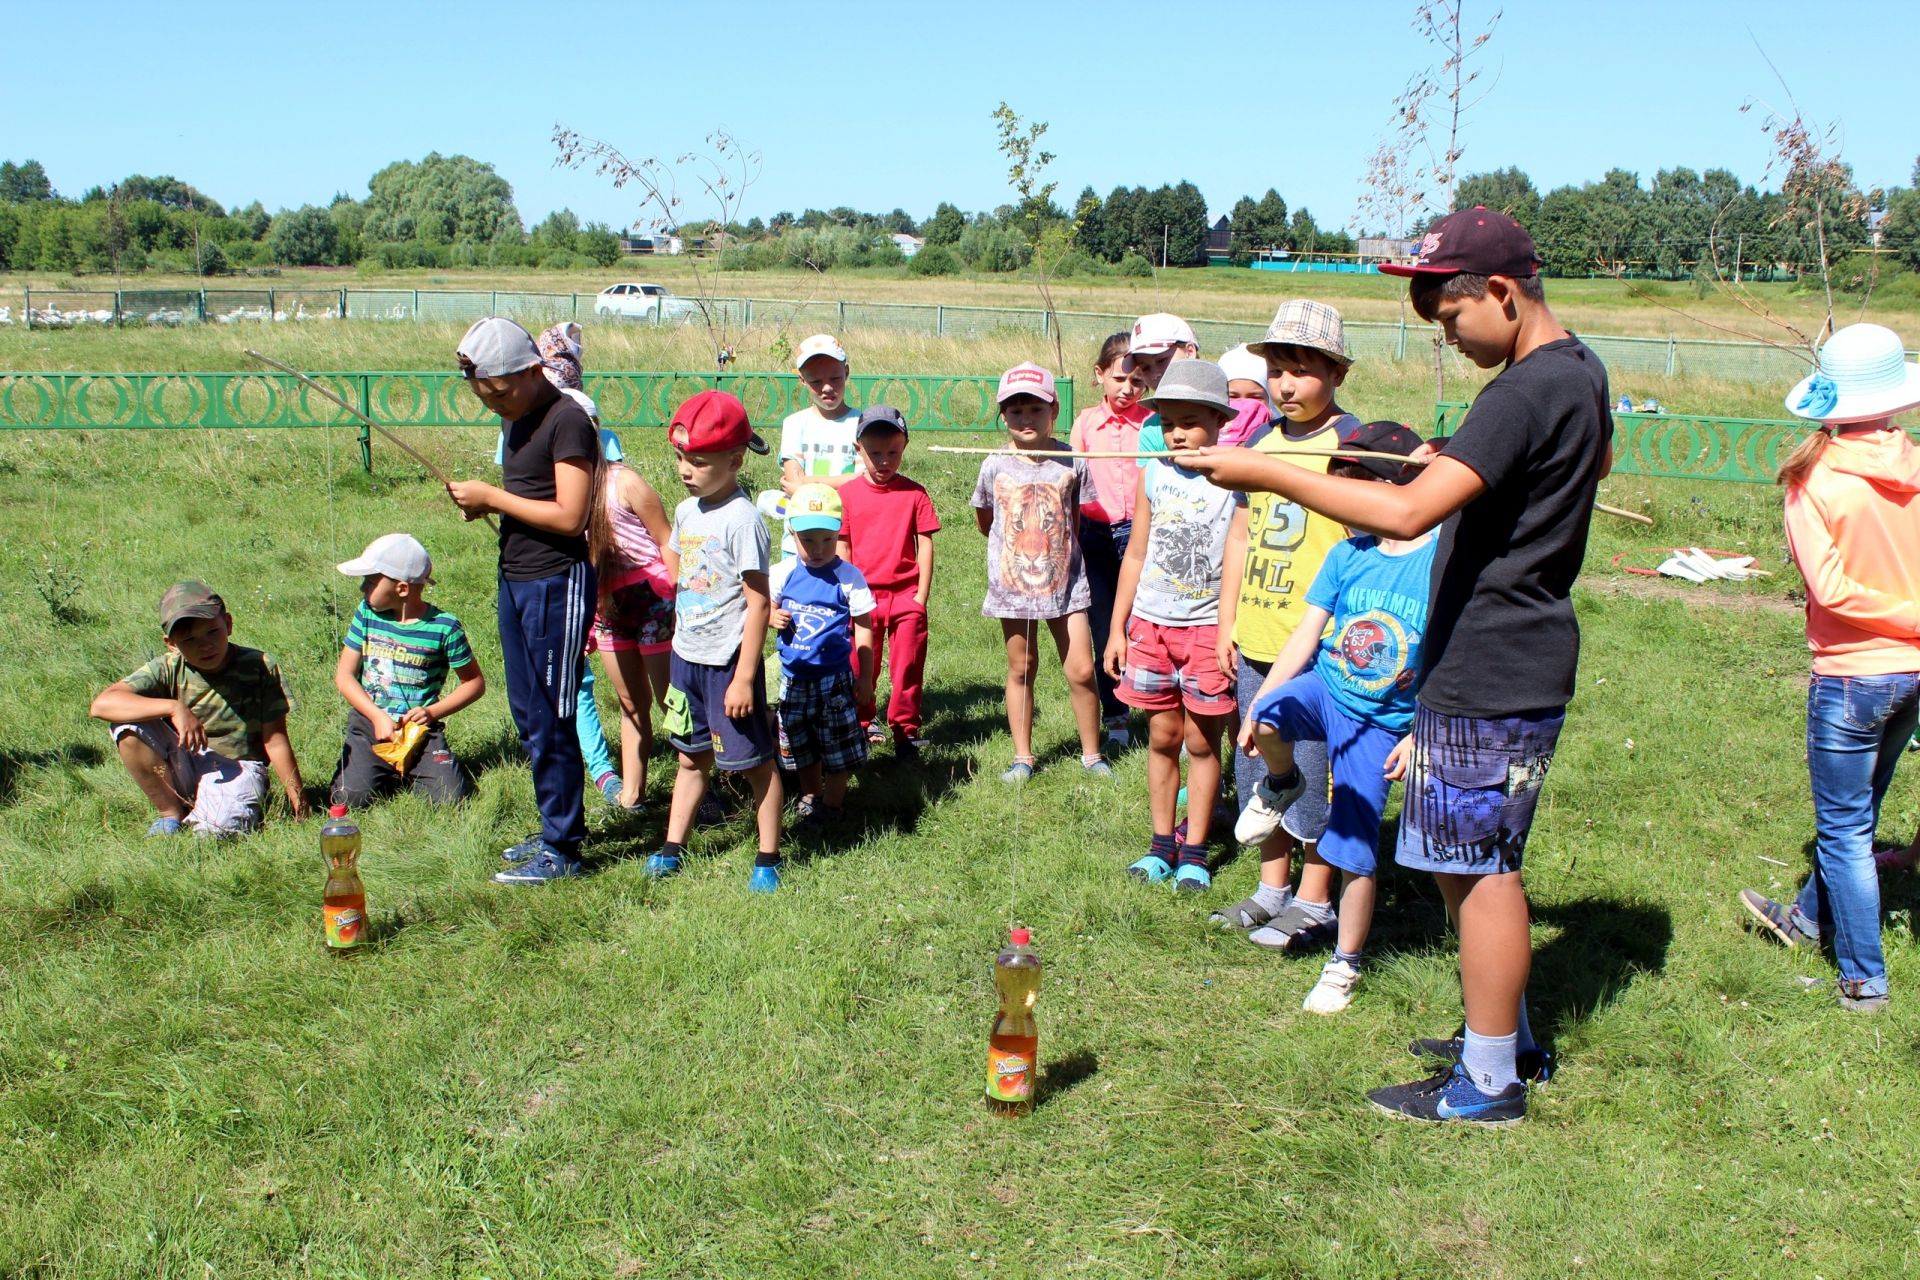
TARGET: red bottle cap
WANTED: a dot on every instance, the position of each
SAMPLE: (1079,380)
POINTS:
(337,811)
(1020,936)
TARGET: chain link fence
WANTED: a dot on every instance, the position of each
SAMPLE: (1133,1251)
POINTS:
(1369,340)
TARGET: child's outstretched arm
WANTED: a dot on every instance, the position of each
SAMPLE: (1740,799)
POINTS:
(1115,658)
(346,678)
(1388,510)
(1233,567)
(753,638)
(285,766)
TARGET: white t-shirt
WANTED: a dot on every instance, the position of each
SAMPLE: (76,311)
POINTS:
(822,446)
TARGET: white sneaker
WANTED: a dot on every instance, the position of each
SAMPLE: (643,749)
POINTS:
(1334,992)
(1261,818)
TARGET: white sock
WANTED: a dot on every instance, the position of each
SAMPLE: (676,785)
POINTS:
(1489,1061)
(1274,900)
(1318,912)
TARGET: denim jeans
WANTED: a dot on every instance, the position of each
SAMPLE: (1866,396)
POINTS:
(1102,547)
(1857,726)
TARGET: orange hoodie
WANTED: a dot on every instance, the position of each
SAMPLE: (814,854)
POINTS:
(1854,531)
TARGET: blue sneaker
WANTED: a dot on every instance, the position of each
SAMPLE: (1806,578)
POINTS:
(1018,772)
(523,851)
(609,784)
(662,865)
(166,827)
(1098,767)
(1192,878)
(1450,1096)
(542,868)
(764,879)
(1153,869)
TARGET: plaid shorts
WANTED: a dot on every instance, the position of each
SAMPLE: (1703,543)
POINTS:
(821,725)
(1170,667)
(1471,790)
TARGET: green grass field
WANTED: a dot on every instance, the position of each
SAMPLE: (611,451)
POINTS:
(616,1078)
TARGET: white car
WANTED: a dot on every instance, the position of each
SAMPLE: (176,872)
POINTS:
(644,301)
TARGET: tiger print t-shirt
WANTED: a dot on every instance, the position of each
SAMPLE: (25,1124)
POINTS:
(1034,568)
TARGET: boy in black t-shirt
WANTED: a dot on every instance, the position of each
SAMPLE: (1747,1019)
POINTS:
(1512,495)
(550,468)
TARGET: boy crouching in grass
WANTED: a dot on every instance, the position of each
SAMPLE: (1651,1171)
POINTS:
(1162,646)
(1352,688)
(823,615)
(199,726)
(392,670)
(717,700)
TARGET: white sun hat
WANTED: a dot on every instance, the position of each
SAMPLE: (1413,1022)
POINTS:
(1864,374)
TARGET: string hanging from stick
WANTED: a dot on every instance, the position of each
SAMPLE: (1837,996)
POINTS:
(403,446)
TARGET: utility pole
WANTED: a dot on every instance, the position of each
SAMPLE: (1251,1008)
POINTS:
(1163,246)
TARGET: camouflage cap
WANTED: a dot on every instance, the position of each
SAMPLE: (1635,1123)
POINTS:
(190,599)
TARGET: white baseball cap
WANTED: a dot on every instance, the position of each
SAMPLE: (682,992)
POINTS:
(820,344)
(1159,332)
(496,346)
(394,555)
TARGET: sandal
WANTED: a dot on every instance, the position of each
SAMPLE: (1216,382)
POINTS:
(1293,930)
(1248,913)
(1152,869)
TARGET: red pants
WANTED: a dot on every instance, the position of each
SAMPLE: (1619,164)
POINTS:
(900,623)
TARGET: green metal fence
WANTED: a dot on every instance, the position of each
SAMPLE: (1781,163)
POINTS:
(1625,357)
(1684,446)
(176,401)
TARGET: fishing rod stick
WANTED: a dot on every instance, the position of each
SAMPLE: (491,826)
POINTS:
(404,447)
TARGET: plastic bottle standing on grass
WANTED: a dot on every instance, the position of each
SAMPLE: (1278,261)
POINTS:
(1014,1045)
(345,899)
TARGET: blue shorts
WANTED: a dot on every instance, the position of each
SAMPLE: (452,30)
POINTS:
(1472,786)
(697,722)
(1303,710)
(820,723)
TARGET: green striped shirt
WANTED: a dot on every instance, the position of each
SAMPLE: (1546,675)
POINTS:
(404,665)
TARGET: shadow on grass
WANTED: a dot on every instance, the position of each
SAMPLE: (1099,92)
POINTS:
(13,763)
(1063,1074)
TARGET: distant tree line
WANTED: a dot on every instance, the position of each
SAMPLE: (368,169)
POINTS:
(448,211)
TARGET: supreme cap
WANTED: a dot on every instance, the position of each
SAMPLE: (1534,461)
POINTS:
(1478,241)
(1158,332)
(1027,379)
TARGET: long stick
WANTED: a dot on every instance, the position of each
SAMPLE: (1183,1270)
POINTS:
(405,448)
(1319,453)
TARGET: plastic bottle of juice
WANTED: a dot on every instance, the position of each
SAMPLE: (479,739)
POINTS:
(1014,1045)
(345,908)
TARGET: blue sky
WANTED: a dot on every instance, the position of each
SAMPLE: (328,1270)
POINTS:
(877,106)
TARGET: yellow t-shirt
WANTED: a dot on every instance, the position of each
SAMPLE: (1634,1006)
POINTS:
(1286,545)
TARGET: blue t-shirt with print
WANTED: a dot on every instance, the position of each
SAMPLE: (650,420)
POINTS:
(823,601)
(1370,658)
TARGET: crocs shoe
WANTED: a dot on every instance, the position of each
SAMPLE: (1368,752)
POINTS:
(1451,1097)
(1266,806)
(166,827)
(661,865)
(764,879)
(1192,877)
(1152,869)
(543,867)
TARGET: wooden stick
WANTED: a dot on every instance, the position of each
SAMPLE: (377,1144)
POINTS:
(405,448)
(1282,452)
(1044,454)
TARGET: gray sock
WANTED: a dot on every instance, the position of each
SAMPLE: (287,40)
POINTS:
(1489,1061)
(1274,900)
(1317,912)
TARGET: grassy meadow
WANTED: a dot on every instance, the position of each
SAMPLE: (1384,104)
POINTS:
(611,1077)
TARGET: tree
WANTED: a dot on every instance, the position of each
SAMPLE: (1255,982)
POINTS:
(1270,220)
(597,244)
(1048,231)
(946,224)
(169,192)
(559,230)
(306,237)
(1243,237)
(441,200)
(1901,230)
(1185,237)
(1507,190)
(24,182)
(1089,222)
(899,222)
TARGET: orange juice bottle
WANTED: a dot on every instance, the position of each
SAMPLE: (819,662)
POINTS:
(345,899)
(1014,1044)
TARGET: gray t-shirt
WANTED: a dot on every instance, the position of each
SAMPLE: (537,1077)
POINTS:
(1186,547)
(718,540)
(1033,549)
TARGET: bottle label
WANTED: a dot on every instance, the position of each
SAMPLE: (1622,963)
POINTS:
(345,925)
(1009,1074)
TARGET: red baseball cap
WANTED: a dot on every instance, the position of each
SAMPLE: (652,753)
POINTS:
(713,422)
(1478,241)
